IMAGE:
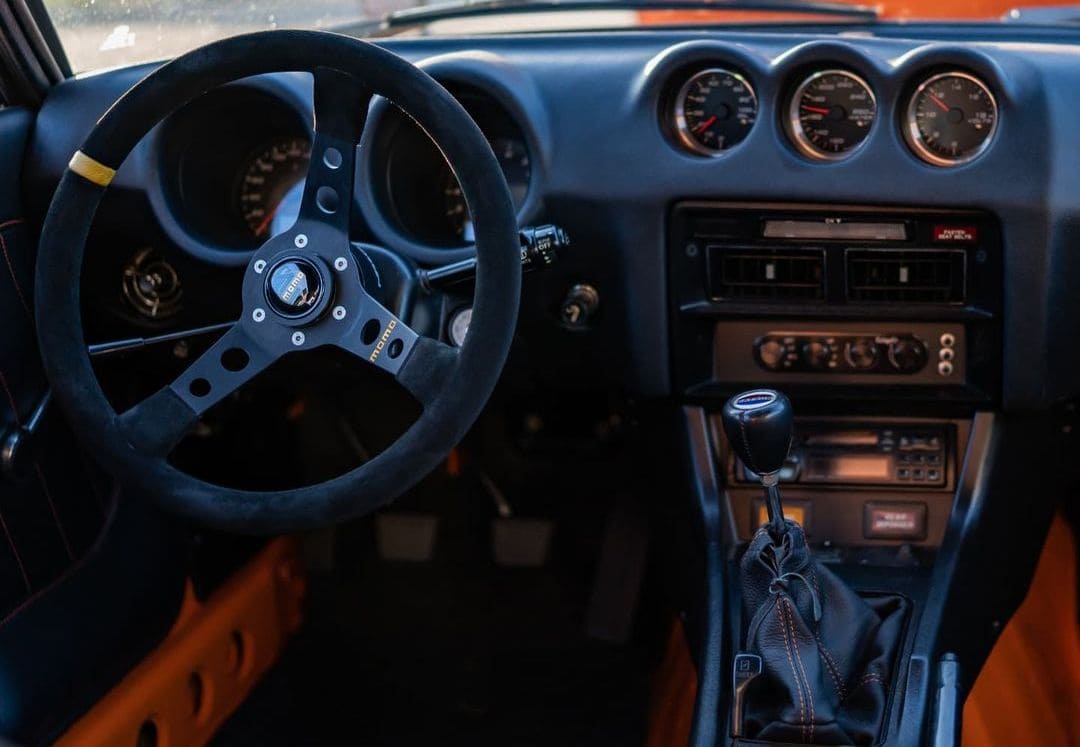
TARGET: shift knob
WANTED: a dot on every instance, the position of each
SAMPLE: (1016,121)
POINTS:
(758,425)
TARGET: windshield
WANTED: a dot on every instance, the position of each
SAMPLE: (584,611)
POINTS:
(109,33)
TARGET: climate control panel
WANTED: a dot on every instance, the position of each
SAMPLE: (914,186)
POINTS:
(889,353)
(880,353)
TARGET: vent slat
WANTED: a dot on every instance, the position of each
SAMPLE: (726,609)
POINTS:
(767,274)
(904,275)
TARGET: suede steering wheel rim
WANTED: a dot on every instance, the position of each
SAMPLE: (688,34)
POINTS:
(301,289)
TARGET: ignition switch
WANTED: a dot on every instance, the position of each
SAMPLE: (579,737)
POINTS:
(579,306)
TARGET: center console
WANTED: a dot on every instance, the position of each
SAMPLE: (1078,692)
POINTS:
(883,327)
(882,324)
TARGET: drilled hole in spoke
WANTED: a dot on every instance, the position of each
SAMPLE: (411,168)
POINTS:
(235,359)
(148,734)
(197,691)
(395,348)
(199,387)
(327,200)
(370,331)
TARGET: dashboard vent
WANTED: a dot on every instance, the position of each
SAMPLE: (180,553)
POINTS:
(906,275)
(767,274)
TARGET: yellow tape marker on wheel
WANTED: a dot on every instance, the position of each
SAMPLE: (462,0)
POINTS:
(91,170)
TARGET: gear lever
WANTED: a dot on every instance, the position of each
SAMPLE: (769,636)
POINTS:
(758,425)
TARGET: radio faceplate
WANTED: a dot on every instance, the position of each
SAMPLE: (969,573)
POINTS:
(886,455)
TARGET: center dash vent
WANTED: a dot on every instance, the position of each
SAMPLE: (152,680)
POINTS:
(766,274)
(906,275)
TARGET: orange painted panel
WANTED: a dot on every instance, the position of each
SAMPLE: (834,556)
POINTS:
(1030,685)
(906,9)
(208,663)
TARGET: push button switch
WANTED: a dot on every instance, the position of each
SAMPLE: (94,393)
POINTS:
(905,521)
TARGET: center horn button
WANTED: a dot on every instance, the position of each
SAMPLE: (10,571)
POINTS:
(295,287)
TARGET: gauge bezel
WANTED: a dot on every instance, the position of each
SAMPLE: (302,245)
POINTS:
(682,128)
(911,124)
(798,135)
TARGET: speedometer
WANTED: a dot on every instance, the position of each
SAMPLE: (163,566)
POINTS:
(830,114)
(513,157)
(950,119)
(271,186)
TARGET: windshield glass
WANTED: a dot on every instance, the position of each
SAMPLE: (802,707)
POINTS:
(109,33)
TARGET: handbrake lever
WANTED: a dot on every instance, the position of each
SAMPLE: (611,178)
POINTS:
(540,247)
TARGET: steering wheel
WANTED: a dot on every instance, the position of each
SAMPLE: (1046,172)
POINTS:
(301,290)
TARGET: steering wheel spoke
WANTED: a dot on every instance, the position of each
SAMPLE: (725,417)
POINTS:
(379,337)
(157,424)
(341,106)
(231,362)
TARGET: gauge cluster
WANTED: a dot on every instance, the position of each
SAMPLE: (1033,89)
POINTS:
(226,162)
(232,163)
(827,113)
(415,199)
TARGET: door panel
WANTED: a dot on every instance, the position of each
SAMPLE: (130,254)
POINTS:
(88,583)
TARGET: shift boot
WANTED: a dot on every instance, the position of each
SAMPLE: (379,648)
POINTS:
(828,653)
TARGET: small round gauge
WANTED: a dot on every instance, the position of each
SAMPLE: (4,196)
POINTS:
(269,193)
(714,111)
(830,114)
(950,119)
(513,157)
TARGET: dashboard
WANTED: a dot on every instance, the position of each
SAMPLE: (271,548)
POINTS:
(607,135)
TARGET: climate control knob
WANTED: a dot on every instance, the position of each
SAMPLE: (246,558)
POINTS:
(907,355)
(771,353)
(862,353)
(817,354)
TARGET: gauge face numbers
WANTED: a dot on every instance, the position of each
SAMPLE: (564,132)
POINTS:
(271,186)
(950,119)
(830,114)
(714,111)
(513,157)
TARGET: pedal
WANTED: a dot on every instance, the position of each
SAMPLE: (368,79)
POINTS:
(406,537)
(521,543)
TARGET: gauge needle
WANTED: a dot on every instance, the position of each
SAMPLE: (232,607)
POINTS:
(815,109)
(706,124)
(940,104)
(266,221)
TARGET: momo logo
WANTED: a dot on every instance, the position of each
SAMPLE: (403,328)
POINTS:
(299,279)
(754,400)
(293,287)
(383,339)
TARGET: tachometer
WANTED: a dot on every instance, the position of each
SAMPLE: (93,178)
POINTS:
(950,119)
(830,114)
(513,157)
(714,111)
(270,186)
